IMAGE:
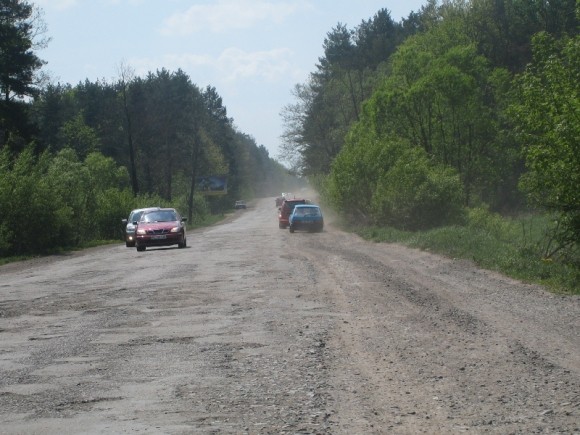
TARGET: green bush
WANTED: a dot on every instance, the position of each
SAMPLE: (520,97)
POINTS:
(51,202)
(545,115)
(201,209)
(111,208)
(415,194)
(480,218)
(29,222)
(69,180)
(388,182)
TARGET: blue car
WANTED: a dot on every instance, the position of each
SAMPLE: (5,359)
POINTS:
(306,217)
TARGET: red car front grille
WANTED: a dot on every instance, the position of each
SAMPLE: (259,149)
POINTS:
(160,231)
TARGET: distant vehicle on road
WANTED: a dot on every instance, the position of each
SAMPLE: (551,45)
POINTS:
(240,205)
(306,217)
(286,209)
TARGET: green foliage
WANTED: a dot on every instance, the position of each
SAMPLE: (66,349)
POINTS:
(440,80)
(76,135)
(20,27)
(104,172)
(111,207)
(416,194)
(354,174)
(109,185)
(28,222)
(327,106)
(481,219)
(201,209)
(389,182)
(512,246)
(503,29)
(70,181)
(547,113)
(163,129)
(51,202)
(441,96)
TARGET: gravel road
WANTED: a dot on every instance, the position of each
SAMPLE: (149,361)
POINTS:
(253,330)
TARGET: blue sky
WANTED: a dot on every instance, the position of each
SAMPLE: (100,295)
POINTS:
(252,51)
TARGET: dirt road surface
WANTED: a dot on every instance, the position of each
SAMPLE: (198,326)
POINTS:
(255,330)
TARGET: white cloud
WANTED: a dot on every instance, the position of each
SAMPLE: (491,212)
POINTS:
(235,64)
(232,65)
(230,14)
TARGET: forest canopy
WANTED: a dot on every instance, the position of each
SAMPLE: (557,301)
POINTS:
(79,157)
(463,104)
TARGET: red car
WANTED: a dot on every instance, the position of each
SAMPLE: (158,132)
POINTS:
(285,211)
(160,227)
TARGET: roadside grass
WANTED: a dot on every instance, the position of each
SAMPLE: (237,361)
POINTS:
(514,247)
(208,220)
(13,259)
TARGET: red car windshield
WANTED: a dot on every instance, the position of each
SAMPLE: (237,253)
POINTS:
(160,216)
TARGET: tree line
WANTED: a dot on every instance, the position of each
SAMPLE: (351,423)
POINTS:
(465,103)
(75,159)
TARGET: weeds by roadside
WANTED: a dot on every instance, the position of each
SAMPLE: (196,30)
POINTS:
(515,247)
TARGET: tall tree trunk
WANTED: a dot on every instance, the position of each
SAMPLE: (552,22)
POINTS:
(126,74)
(132,164)
(194,163)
